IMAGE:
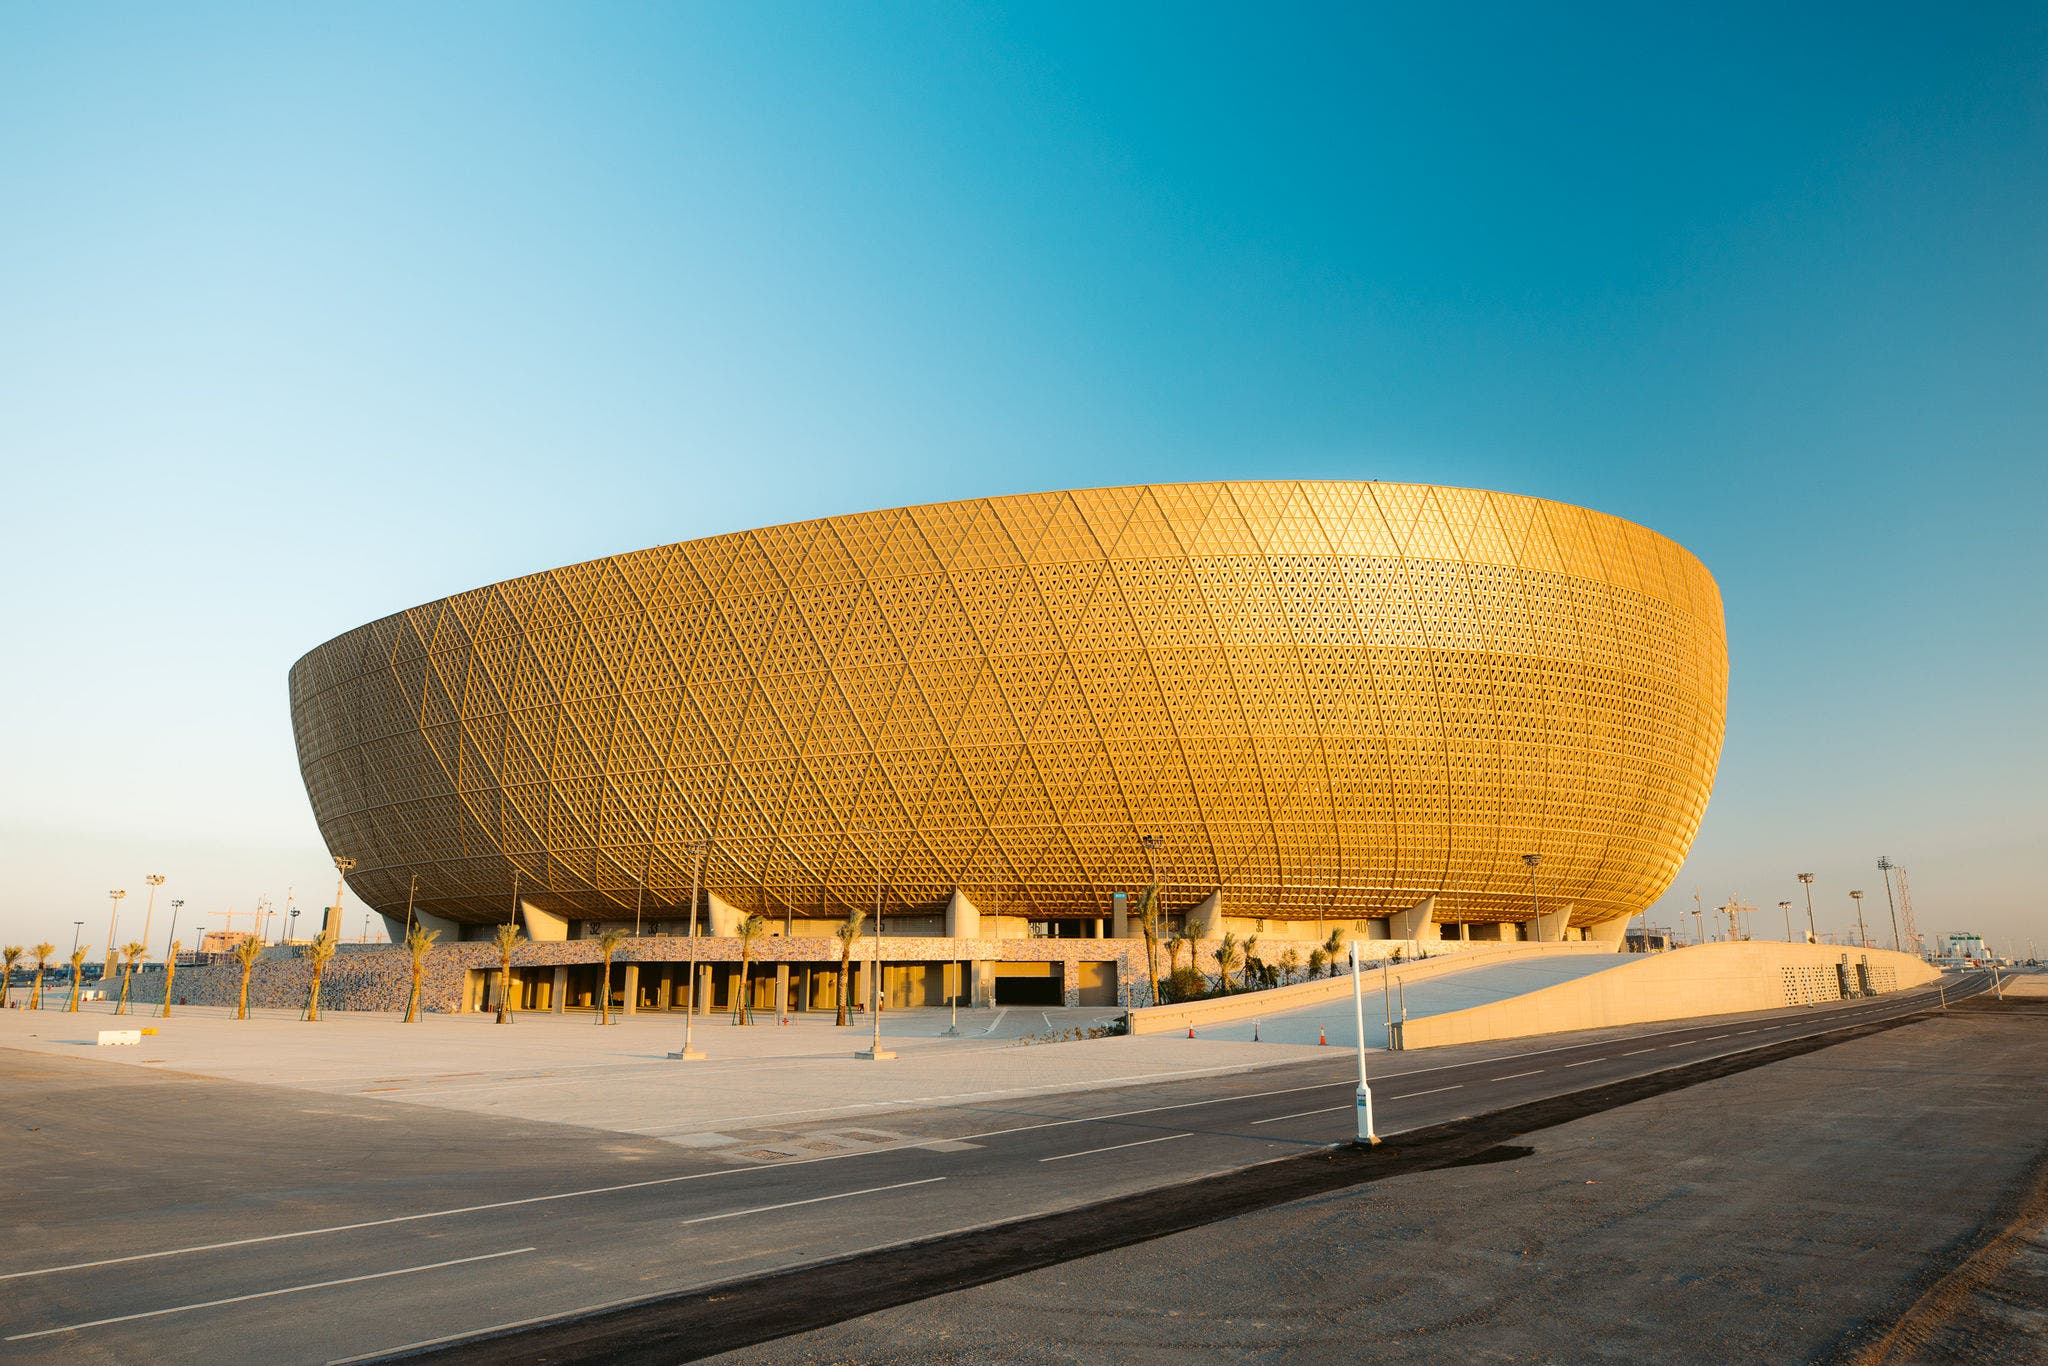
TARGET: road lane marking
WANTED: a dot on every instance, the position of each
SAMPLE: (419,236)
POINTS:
(265,1294)
(814,1200)
(1301,1114)
(1711,1037)
(1583,1061)
(1903,1007)
(1512,1075)
(1410,1095)
(1114,1147)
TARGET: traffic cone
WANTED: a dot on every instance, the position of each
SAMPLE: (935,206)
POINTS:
(1191,1029)
(1322,1038)
(1255,1031)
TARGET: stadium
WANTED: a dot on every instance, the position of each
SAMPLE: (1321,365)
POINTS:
(1282,701)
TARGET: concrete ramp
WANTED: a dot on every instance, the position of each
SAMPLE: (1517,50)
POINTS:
(1707,979)
(1446,991)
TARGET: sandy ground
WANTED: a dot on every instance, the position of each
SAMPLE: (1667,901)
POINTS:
(1786,1214)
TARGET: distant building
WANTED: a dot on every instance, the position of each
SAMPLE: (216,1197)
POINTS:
(222,941)
(1963,944)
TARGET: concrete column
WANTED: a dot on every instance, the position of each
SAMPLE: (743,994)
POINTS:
(1609,931)
(1120,916)
(981,984)
(963,921)
(724,917)
(543,927)
(1464,931)
(1550,925)
(860,985)
(781,991)
(1070,984)
(632,1006)
(1412,923)
(1205,921)
(560,992)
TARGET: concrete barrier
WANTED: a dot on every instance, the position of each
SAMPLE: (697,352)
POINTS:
(1246,1005)
(112,1037)
(1707,979)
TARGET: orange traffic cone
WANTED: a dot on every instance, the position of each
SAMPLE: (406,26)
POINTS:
(1321,1037)
(1191,1029)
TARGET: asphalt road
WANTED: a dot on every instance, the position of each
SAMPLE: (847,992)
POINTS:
(230,1223)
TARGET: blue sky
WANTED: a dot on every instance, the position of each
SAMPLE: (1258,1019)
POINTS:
(308,314)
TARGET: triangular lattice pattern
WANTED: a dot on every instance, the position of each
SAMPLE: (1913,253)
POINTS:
(1329,698)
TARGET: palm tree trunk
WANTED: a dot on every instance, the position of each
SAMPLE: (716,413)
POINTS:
(845,958)
(170,978)
(412,998)
(313,1001)
(746,1014)
(121,1006)
(242,1006)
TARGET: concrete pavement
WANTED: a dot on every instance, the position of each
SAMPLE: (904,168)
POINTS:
(163,1208)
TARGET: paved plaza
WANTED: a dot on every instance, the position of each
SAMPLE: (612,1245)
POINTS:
(569,1069)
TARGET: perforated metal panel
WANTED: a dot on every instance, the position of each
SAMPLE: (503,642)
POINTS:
(1329,698)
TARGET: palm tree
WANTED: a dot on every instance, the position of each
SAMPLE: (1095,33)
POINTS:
(78,957)
(1175,942)
(320,952)
(35,991)
(1333,947)
(1226,959)
(507,939)
(847,932)
(1251,962)
(1148,919)
(1315,961)
(418,941)
(1290,959)
(170,976)
(246,953)
(751,930)
(131,953)
(12,953)
(607,944)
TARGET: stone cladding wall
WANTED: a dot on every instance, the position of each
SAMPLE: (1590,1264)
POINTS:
(378,979)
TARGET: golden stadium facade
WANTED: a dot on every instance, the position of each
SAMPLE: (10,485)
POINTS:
(1329,699)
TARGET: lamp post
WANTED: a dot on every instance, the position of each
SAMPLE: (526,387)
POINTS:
(1862,939)
(875,1052)
(155,880)
(696,849)
(113,920)
(412,888)
(1530,861)
(1152,844)
(292,932)
(1806,881)
(75,926)
(343,865)
(1885,866)
(177,905)
(1786,907)
(1363,1096)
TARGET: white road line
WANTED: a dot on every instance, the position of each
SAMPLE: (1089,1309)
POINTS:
(1639,1050)
(1410,1095)
(1301,1114)
(265,1294)
(1583,1061)
(1512,1075)
(996,1021)
(814,1200)
(1114,1147)
(1711,1037)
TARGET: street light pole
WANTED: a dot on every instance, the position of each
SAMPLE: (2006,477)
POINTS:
(1885,866)
(1530,861)
(113,920)
(1786,907)
(412,889)
(1363,1096)
(1862,938)
(177,904)
(1806,881)
(155,880)
(696,849)
(343,865)
(875,1051)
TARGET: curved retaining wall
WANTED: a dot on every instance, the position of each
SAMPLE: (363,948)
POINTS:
(1707,979)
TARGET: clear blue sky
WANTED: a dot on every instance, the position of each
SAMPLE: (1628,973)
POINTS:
(310,313)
